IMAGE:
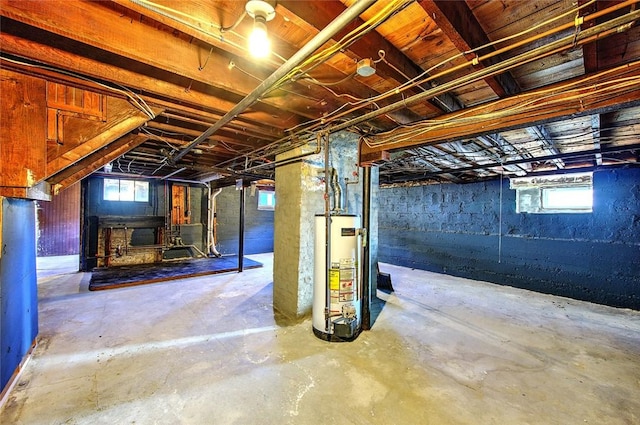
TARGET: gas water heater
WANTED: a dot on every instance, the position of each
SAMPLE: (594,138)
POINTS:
(337,301)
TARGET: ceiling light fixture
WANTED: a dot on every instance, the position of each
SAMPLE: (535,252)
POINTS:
(366,68)
(262,12)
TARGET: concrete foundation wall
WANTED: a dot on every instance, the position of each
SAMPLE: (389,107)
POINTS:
(258,224)
(456,229)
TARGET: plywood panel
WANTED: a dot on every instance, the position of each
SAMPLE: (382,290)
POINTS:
(23,115)
(180,205)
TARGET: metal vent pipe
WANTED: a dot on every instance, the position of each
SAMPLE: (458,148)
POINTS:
(314,44)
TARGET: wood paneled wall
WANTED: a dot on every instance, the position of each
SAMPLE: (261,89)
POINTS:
(59,224)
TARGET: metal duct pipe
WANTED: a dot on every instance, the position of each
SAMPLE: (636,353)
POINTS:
(315,43)
(327,237)
(287,161)
(347,182)
(336,191)
(366,254)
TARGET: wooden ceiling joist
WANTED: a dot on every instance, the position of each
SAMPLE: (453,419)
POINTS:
(150,87)
(123,118)
(96,25)
(579,156)
(510,118)
(174,56)
(458,23)
(396,65)
(94,162)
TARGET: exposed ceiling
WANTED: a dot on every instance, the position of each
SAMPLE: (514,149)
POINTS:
(463,90)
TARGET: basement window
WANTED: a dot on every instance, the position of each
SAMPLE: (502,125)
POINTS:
(125,190)
(564,193)
(266,200)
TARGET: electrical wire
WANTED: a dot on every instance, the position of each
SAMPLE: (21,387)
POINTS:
(322,56)
(424,77)
(149,133)
(530,103)
(185,19)
(136,100)
(305,131)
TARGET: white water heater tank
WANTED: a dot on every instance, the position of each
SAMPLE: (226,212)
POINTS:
(344,320)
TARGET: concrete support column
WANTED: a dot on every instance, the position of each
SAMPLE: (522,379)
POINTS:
(299,195)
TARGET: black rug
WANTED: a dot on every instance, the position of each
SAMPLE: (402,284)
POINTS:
(122,276)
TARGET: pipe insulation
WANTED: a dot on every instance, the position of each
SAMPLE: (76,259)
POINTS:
(211,220)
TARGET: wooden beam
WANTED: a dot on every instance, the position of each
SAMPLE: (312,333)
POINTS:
(171,129)
(94,162)
(201,20)
(23,130)
(590,50)
(250,129)
(479,120)
(188,18)
(320,13)
(221,152)
(458,23)
(122,118)
(13,41)
(610,51)
(95,24)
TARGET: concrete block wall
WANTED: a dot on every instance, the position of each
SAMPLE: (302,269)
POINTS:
(258,224)
(456,229)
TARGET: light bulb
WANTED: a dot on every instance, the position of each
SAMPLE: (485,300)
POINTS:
(259,45)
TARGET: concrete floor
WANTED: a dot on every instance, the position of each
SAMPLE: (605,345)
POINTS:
(209,350)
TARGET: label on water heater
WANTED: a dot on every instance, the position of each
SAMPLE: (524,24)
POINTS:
(347,275)
(334,279)
(348,231)
(334,285)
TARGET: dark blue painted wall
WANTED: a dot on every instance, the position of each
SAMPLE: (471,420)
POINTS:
(18,285)
(258,224)
(95,206)
(455,229)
